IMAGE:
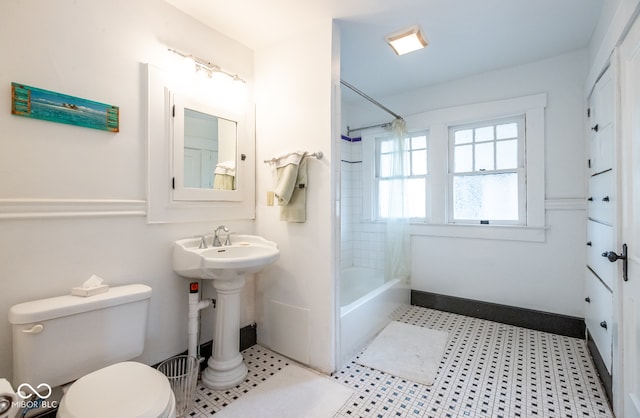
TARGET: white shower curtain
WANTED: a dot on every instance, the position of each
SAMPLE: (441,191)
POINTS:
(397,239)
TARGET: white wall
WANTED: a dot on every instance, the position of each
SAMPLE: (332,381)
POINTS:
(544,276)
(295,300)
(57,177)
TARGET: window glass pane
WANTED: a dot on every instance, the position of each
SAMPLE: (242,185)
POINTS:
(484,134)
(484,156)
(386,146)
(415,201)
(463,159)
(507,154)
(508,130)
(486,197)
(385,165)
(406,164)
(414,197)
(419,162)
(384,191)
(419,142)
(464,137)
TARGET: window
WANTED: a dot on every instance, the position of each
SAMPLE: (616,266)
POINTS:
(487,172)
(468,166)
(415,173)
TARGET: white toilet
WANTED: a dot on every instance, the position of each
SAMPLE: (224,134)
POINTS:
(89,340)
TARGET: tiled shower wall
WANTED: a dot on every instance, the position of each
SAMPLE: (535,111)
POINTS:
(362,241)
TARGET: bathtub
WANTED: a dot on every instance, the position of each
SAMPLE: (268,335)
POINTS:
(368,304)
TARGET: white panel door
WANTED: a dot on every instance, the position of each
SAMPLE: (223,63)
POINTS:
(602,224)
(630,190)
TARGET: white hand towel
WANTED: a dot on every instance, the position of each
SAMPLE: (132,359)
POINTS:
(226,167)
(286,166)
(285,183)
(296,208)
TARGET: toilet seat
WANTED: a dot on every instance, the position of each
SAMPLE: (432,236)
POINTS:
(127,389)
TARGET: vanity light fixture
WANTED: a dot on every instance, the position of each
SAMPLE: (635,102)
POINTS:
(407,40)
(209,69)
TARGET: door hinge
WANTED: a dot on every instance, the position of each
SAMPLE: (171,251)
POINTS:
(589,112)
(173,111)
(173,183)
(589,162)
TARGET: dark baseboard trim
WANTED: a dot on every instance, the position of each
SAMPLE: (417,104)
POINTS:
(526,318)
(605,377)
(248,336)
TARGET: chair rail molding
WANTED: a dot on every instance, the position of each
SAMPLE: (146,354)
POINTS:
(42,208)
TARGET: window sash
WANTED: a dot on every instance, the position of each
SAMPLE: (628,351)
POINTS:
(522,193)
(520,170)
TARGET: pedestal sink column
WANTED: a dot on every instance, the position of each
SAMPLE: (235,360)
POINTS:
(226,368)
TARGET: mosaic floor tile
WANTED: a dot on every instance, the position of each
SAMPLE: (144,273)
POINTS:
(488,370)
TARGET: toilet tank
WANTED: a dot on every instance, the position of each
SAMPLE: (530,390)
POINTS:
(60,339)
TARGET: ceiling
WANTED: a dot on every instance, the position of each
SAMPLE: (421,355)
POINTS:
(465,36)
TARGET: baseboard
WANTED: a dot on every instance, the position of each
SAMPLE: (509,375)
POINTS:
(527,318)
(248,336)
(605,377)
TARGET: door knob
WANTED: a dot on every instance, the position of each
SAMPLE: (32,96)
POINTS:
(613,257)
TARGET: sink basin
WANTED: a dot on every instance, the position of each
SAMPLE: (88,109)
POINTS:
(246,255)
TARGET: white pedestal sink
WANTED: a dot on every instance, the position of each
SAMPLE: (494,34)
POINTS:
(226,267)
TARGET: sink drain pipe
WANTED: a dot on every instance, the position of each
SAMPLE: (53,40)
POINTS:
(195,306)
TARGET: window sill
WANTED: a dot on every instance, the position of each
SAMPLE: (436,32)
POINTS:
(493,232)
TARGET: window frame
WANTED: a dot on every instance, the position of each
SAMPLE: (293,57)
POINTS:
(520,170)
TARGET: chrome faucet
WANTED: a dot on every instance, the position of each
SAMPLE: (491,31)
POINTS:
(216,236)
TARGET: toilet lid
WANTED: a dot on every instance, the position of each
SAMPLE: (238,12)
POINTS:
(127,389)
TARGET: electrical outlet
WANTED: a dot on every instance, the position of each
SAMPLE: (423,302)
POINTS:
(270,196)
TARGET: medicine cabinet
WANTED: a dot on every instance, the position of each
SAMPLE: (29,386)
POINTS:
(201,164)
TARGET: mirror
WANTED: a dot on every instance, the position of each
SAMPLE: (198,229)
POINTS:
(205,151)
(209,151)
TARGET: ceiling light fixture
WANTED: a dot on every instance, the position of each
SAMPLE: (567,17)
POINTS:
(406,41)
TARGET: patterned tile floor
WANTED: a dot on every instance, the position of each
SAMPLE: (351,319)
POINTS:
(488,370)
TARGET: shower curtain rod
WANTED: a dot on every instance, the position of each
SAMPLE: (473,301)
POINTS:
(362,128)
(375,102)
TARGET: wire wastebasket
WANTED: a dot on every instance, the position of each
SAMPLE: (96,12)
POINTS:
(182,372)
